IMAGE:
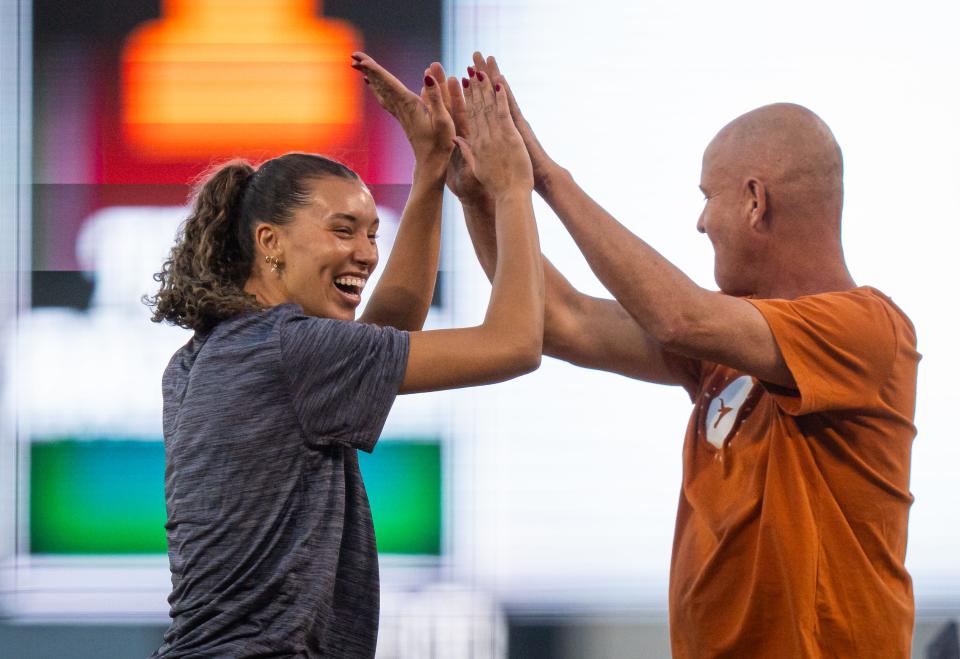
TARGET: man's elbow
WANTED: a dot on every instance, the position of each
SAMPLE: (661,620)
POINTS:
(677,333)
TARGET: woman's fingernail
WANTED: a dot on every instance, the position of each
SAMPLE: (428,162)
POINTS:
(428,81)
(470,71)
(480,76)
(466,83)
(496,87)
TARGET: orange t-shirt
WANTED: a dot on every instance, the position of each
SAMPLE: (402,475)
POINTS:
(792,523)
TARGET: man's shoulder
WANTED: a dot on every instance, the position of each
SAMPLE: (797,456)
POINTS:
(864,311)
(850,310)
(898,317)
(865,297)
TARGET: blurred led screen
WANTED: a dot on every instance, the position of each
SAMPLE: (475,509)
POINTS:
(106,496)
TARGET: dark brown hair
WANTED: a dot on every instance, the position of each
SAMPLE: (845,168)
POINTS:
(201,283)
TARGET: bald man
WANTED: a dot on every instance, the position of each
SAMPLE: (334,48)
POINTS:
(792,520)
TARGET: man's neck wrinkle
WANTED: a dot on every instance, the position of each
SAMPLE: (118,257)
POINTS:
(791,285)
(790,275)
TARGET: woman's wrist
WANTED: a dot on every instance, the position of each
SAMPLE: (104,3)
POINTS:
(511,194)
(431,170)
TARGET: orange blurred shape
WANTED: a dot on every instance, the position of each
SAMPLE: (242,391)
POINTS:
(228,77)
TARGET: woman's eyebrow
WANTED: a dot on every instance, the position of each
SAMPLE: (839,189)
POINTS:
(343,216)
(352,218)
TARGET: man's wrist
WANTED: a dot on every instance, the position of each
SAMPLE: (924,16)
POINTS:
(478,203)
(548,177)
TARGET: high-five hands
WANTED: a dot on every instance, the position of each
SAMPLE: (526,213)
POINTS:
(444,109)
(460,177)
(490,144)
(424,118)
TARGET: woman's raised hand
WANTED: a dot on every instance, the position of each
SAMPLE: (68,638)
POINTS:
(543,166)
(424,118)
(492,147)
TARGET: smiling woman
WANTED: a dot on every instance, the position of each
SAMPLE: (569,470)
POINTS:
(325,253)
(213,271)
(271,543)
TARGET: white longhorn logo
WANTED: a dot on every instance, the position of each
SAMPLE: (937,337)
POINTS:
(724,408)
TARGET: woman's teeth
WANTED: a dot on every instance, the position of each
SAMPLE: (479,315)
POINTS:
(353,285)
(350,281)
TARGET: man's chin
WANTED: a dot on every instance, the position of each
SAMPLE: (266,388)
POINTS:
(733,288)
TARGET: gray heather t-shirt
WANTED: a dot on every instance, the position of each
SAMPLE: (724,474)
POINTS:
(271,543)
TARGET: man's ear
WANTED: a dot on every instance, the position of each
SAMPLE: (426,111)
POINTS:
(755,203)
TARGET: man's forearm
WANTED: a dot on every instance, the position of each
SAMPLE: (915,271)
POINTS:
(656,294)
(479,216)
(660,297)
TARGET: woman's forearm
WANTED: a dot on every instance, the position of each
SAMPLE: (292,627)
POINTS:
(515,312)
(403,295)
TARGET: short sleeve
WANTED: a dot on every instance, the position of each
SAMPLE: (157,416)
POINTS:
(839,346)
(343,377)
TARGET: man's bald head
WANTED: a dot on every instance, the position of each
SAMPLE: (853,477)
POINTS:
(793,152)
(773,182)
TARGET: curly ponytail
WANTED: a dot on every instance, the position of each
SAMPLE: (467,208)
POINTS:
(202,282)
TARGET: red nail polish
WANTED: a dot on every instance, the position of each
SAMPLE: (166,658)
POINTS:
(428,81)
(496,87)
(470,71)
(480,76)
(466,83)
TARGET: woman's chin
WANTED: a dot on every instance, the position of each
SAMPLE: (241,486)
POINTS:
(333,312)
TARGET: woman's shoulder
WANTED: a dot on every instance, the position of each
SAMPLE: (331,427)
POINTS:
(255,324)
(287,324)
